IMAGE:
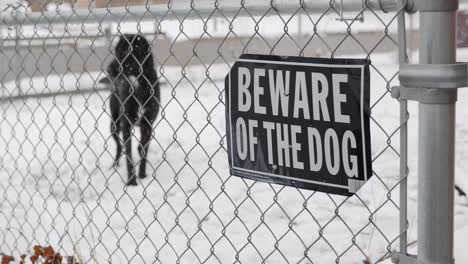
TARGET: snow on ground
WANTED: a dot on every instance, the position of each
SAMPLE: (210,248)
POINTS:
(57,186)
(461,168)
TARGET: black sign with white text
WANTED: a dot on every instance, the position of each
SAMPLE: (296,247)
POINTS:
(302,122)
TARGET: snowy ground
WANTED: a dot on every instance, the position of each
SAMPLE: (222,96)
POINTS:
(57,186)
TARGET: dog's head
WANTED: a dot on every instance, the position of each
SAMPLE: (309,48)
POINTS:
(132,57)
(133,51)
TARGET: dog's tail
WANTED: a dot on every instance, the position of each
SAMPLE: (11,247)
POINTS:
(104,83)
(105,80)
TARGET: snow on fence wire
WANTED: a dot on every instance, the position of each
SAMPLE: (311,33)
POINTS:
(57,183)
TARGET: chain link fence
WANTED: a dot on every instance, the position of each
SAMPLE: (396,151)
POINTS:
(57,183)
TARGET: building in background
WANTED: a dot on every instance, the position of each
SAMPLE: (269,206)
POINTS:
(39,5)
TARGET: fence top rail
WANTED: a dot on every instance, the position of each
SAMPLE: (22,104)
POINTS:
(199,9)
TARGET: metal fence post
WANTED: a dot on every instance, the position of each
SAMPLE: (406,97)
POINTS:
(403,59)
(436,137)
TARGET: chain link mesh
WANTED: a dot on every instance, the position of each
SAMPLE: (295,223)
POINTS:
(57,183)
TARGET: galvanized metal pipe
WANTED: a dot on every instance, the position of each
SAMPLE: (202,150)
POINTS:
(403,59)
(201,8)
(436,141)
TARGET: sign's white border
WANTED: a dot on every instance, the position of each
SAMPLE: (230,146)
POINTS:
(312,65)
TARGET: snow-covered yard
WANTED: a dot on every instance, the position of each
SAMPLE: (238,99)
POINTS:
(57,186)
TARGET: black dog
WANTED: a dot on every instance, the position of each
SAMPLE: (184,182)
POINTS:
(134,99)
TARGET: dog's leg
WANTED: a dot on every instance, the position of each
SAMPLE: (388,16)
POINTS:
(115,126)
(115,131)
(143,147)
(127,137)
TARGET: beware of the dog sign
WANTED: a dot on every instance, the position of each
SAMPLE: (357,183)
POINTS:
(298,121)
